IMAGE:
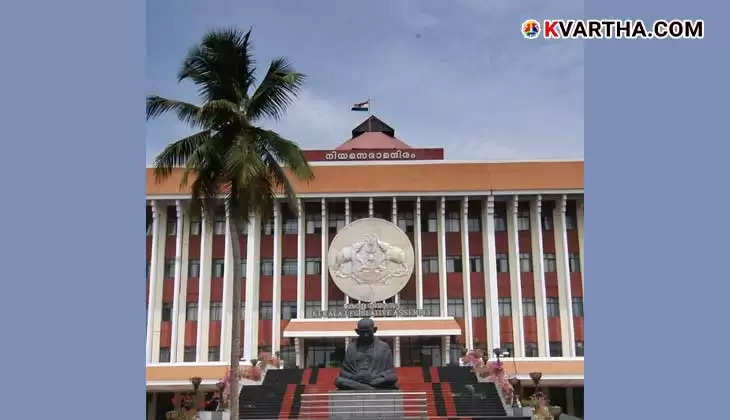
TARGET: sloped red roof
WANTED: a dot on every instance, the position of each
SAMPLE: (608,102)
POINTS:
(373,140)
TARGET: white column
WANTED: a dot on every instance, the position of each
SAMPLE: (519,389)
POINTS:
(176,286)
(180,315)
(227,316)
(300,280)
(154,280)
(347,222)
(445,347)
(276,294)
(564,296)
(579,221)
(206,255)
(538,273)
(394,218)
(441,215)
(489,259)
(300,259)
(370,207)
(324,242)
(396,340)
(466,273)
(513,243)
(419,254)
(253,269)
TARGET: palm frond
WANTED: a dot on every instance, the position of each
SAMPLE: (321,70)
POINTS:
(178,153)
(186,112)
(276,91)
(221,66)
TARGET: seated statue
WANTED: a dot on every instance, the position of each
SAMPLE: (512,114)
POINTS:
(368,362)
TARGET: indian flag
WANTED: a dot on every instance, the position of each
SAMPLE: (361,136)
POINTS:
(362,106)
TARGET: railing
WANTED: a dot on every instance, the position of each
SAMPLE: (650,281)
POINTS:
(360,405)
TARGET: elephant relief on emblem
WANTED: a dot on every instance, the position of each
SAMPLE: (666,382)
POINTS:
(370,261)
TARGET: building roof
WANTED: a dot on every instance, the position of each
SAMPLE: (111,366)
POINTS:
(373,140)
(373,124)
(418,178)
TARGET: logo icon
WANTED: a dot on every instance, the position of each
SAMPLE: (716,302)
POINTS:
(530,29)
(370,259)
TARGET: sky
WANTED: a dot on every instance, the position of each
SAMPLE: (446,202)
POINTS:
(456,74)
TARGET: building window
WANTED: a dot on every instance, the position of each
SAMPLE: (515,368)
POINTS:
(164,355)
(453,265)
(478,309)
(289,267)
(191,311)
(169,269)
(194,268)
(290,226)
(508,348)
(267,227)
(314,223)
(336,222)
(313,265)
(214,354)
(267,267)
(265,310)
(528,307)
(431,223)
(574,263)
(550,263)
(475,264)
(167,311)
(531,350)
(431,307)
(579,348)
(474,224)
(310,307)
(189,355)
(500,223)
(502,263)
(547,221)
(336,305)
(525,262)
(216,311)
(452,221)
(243,269)
(523,220)
(287,355)
(556,349)
(430,265)
(405,221)
(577,306)
(218,267)
(195,227)
(553,308)
(288,309)
(569,221)
(219,228)
(408,304)
(456,307)
(505,306)
(172,227)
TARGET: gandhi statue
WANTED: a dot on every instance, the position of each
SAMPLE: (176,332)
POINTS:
(368,363)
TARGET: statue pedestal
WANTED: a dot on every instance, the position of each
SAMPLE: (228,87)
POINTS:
(365,405)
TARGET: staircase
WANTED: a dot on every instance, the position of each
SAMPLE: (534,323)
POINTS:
(451,392)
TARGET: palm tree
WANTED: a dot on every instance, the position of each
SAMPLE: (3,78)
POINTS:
(229,156)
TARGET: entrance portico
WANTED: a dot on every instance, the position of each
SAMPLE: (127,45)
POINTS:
(419,338)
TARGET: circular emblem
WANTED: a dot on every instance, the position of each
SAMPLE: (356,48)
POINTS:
(530,29)
(370,259)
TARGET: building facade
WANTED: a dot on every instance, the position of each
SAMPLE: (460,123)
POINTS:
(498,250)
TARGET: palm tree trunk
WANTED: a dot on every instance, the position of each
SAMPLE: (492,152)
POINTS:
(236,319)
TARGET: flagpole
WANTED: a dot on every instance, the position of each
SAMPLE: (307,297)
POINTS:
(370,110)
